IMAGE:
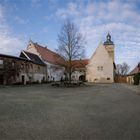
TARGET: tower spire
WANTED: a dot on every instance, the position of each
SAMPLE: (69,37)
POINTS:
(108,40)
(108,37)
(109,45)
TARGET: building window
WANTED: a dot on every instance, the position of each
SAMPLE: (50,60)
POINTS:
(27,66)
(31,66)
(100,68)
(108,78)
(1,64)
(22,66)
(73,76)
(13,64)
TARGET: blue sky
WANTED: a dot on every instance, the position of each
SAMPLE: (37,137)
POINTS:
(41,21)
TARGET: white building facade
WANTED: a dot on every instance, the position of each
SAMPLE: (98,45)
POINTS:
(54,63)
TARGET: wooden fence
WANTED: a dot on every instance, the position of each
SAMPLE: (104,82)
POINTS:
(120,79)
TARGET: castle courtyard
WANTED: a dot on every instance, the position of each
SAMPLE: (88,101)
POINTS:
(90,112)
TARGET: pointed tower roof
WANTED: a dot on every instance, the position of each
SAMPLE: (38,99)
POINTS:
(30,40)
(108,40)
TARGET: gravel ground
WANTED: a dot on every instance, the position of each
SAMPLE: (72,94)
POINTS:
(95,112)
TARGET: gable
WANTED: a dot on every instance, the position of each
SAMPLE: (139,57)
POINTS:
(100,55)
(135,70)
(32,49)
(33,57)
(46,54)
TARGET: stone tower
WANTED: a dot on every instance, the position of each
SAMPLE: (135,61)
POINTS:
(109,45)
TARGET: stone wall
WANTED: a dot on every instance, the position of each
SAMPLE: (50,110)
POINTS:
(18,71)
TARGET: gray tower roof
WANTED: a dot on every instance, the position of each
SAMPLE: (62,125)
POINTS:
(108,40)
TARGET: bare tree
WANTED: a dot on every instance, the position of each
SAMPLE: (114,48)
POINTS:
(70,45)
(122,69)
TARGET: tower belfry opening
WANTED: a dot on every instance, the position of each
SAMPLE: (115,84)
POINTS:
(109,45)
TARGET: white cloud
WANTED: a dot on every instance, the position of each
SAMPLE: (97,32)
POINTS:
(90,9)
(71,10)
(9,44)
(95,19)
(61,13)
(72,7)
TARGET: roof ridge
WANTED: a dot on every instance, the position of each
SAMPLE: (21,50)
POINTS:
(81,59)
(38,45)
(30,53)
(33,57)
(49,55)
(13,56)
(134,70)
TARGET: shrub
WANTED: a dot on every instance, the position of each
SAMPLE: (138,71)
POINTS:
(137,79)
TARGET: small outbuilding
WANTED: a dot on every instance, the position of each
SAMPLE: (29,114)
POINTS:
(134,76)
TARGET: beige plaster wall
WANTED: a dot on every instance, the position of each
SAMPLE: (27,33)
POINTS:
(100,67)
(31,48)
(110,49)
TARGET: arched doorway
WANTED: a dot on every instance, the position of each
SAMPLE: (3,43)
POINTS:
(82,78)
(23,80)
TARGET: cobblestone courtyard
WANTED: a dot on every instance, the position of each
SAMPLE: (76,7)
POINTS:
(95,112)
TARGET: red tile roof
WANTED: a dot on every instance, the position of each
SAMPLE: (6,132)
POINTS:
(135,70)
(49,56)
(80,63)
(54,58)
